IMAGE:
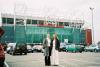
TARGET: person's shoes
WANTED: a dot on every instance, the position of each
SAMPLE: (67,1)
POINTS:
(55,65)
(47,65)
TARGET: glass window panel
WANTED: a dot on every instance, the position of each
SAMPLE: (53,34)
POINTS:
(34,21)
(20,21)
(61,24)
(4,20)
(28,21)
(41,22)
(10,20)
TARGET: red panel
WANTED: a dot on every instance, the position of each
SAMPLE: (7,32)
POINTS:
(88,36)
(50,25)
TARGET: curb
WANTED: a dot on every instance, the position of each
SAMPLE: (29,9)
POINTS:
(6,65)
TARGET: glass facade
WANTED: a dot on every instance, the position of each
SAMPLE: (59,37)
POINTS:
(8,35)
(10,21)
(36,34)
(29,21)
(20,34)
(61,23)
(76,36)
(34,21)
(7,20)
(82,35)
(4,20)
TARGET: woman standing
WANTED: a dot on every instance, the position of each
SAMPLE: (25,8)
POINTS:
(47,50)
(55,45)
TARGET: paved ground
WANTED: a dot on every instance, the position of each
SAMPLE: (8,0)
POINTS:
(85,59)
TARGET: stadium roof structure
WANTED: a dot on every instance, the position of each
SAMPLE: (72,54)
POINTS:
(43,18)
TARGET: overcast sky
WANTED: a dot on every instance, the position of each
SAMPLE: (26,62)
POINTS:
(69,9)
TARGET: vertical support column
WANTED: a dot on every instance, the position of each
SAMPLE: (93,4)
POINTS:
(0,20)
(92,25)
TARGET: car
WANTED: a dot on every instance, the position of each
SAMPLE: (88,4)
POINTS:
(73,48)
(92,48)
(2,56)
(10,47)
(38,48)
(29,49)
(8,50)
(62,46)
(18,48)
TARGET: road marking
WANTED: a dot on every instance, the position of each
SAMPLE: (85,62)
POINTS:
(6,64)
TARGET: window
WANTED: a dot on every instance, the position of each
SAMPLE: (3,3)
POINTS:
(72,25)
(4,20)
(34,21)
(66,24)
(80,26)
(10,20)
(20,21)
(93,45)
(41,22)
(60,23)
(28,21)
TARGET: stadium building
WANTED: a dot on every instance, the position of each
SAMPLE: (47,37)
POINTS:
(32,30)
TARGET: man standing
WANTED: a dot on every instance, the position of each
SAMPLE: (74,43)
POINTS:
(47,50)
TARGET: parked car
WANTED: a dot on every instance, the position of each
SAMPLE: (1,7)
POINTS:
(2,56)
(8,50)
(20,48)
(29,49)
(92,48)
(74,48)
(10,47)
(62,46)
(38,48)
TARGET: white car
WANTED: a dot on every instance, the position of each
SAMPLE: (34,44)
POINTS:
(62,46)
(38,48)
(29,48)
(92,48)
(10,47)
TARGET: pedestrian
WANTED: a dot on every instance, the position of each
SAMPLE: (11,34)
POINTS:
(2,54)
(55,45)
(47,50)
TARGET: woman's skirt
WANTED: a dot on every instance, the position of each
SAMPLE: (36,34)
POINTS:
(55,57)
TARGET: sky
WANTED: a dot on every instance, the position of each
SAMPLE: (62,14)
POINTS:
(68,9)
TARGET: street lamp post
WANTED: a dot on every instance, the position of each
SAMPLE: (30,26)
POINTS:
(92,25)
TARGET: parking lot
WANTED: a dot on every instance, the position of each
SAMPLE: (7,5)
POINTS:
(85,59)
